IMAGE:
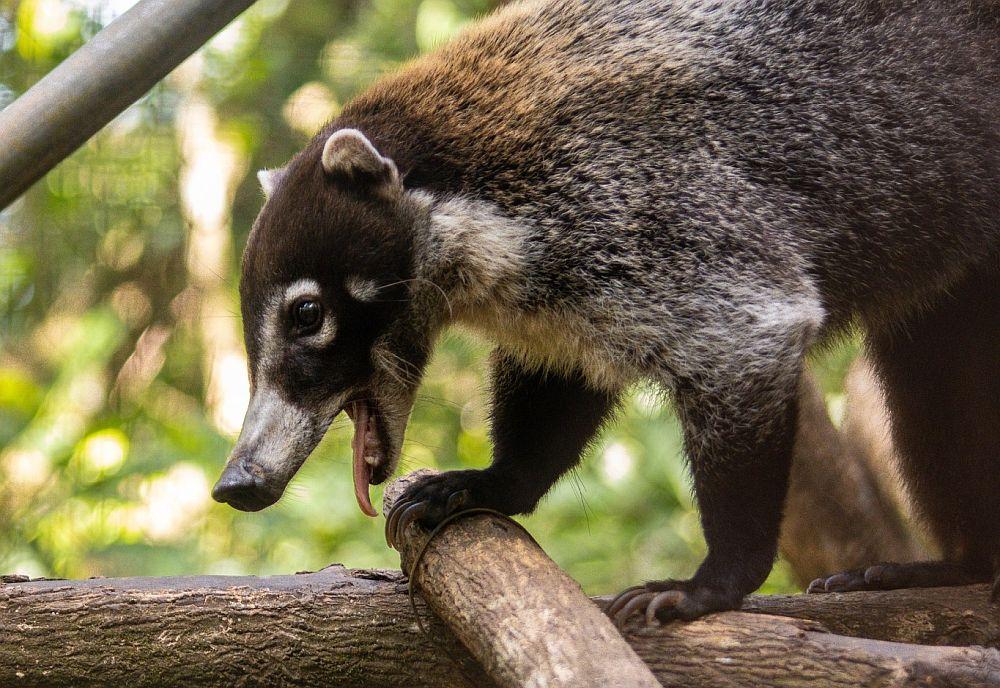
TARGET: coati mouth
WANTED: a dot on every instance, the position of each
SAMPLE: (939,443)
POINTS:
(369,446)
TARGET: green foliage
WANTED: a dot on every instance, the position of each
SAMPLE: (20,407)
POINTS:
(111,299)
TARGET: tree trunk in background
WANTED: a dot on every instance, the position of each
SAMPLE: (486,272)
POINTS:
(843,508)
(355,629)
(866,432)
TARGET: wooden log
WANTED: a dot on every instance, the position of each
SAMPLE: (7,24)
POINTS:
(929,616)
(514,609)
(350,629)
(755,651)
(355,629)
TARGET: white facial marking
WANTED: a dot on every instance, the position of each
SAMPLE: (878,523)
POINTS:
(272,427)
(308,288)
(280,435)
(362,289)
(300,289)
(273,338)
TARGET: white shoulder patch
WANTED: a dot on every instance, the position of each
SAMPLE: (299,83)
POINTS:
(488,247)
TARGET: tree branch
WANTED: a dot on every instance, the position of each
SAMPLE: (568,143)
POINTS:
(517,612)
(355,629)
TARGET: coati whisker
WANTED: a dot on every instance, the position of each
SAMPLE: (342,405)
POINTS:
(440,290)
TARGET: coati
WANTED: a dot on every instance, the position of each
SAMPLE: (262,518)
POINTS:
(693,192)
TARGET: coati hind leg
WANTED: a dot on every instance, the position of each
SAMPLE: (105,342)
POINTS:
(941,372)
(541,423)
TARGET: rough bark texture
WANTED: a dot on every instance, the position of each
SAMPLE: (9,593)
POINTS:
(733,649)
(520,615)
(350,629)
(932,616)
(842,510)
(331,628)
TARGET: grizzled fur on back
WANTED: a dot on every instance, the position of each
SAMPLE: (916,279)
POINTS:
(845,124)
(688,191)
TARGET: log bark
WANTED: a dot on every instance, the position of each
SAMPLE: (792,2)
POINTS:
(514,609)
(355,629)
(733,649)
(931,616)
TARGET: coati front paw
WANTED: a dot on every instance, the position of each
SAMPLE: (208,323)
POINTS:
(432,499)
(892,576)
(669,600)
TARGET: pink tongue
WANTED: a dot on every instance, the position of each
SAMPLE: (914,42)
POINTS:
(362,473)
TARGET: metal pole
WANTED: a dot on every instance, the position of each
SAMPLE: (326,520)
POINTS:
(97,82)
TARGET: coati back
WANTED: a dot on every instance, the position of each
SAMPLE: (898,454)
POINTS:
(689,192)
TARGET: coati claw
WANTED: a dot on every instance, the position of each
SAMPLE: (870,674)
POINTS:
(635,603)
(892,576)
(392,519)
(433,499)
(622,599)
(845,581)
(456,501)
(392,528)
(668,600)
(413,512)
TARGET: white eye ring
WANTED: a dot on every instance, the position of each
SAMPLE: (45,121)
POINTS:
(305,290)
(302,289)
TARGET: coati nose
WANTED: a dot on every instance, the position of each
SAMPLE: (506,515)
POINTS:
(242,490)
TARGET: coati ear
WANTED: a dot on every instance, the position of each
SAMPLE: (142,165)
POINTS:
(348,155)
(269,180)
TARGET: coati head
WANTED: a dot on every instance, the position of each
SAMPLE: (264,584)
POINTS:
(331,318)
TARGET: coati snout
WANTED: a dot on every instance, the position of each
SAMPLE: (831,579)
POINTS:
(329,319)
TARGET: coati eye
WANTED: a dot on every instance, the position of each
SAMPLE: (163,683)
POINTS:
(307,315)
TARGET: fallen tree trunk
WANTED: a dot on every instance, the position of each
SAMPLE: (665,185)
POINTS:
(352,628)
(929,616)
(733,649)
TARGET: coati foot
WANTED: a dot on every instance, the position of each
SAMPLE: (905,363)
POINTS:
(436,497)
(892,576)
(669,600)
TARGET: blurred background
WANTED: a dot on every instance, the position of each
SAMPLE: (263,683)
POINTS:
(122,371)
